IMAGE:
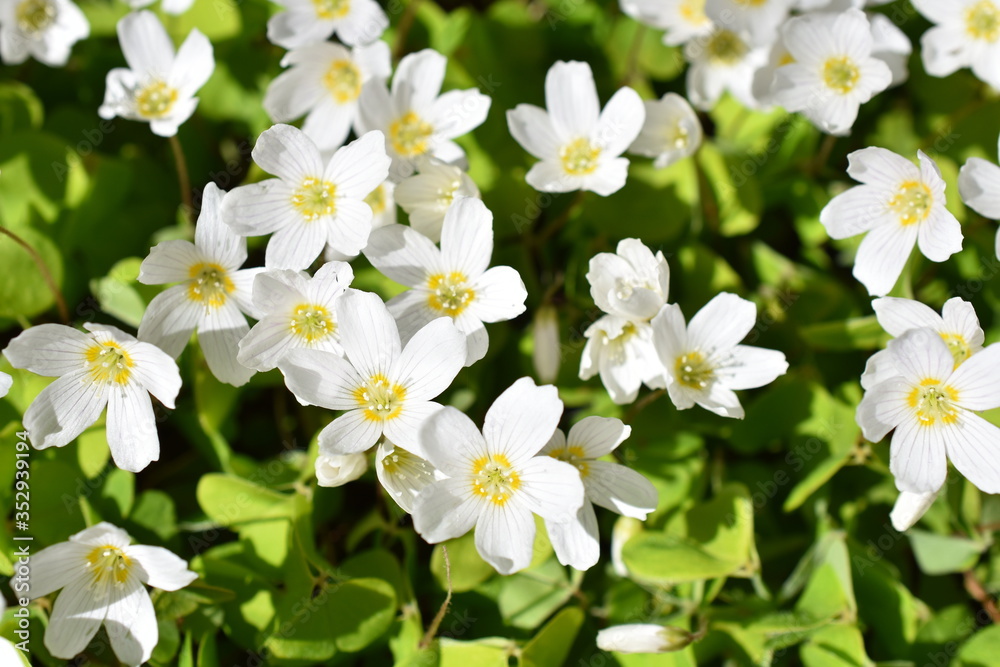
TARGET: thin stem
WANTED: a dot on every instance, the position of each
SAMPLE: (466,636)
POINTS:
(632,69)
(44,270)
(439,617)
(641,404)
(976,590)
(709,205)
(824,154)
(182,177)
(560,222)
(403,29)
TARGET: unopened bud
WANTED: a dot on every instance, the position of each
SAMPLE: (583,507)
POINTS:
(337,470)
(644,638)
(546,354)
(625,529)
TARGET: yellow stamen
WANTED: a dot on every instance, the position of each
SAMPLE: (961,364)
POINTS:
(315,198)
(109,362)
(312,322)
(209,285)
(155,100)
(494,479)
(343,80)
(450,293)
(408,134)
(380,399)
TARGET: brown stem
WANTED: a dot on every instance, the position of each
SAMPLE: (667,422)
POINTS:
(44,270)
(182,177)
(632,69)
(439,617)
(403,29)
(976,590)
(824,154)
(641,404)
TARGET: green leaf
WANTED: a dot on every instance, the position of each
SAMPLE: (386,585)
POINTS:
(117,292)
(529,597)
(981,650)
(232,501)
(490,652)
(835,646)
(859,333)
(942,554)
(468,569)
(362,611)
(27,294)
(552,643)
(20,108)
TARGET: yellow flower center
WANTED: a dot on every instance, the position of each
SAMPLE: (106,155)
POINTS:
(312,322)
(693,370)
(408,134)
(933,402)
(155,100)
(912,203)
(407,466)
(34,16)
(693,11)
(958,346)
(315,198)
(450,293)
(726,48)
(209,285)
(574,455)
(109,362)
(376,200)
(614,347)
(380,399)
(841,74)
(786,59)
(343,80)
(982,21)
(494,479)
(579,157)
(751,3)
(107,565)
(331,9)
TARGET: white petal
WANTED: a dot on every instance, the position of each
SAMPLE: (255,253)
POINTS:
(467,237)
(430,361)
(296,246)
(920,354)
(219,335)
(620,489)
(292,94)
(131,622)
(445,510)
(193,65)
(500,295)
(550,488)
(721,323)
(169,262)
(418,80)
(55,567)
(367,332)
(329,123)
(404,429)
(266,344)
(571,99)
(979,184)
(880,166)
(959,316)
(977,380)
(214,238)
(350,433)
(49,349)
(451,442)
(853,212)
(259,208)
(403,254)
(321,378)
(505,536)
(940,235)
(909,508)
(161,568)
(597,436)
(132,434)
(360,166)
(882,256)
(897,316)
(749,367)
(288,153)
(170,319)
(458,112)
(156,372)
(867,416)
(75,618)
(64,409)
(522,419)
(576,543)
(917,456)
(364,24)
(146,45)
(972,445)
(531,127)
(620,122)
(350,228)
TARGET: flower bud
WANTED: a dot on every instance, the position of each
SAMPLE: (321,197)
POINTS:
(625,528)
(546,354)
(643,638)
(909,508)
(337,470)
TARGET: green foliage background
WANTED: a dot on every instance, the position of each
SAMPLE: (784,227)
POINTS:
(771,533)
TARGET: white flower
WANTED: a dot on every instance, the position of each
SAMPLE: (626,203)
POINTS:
(323,84)
(670,133)
(546,352)
(158,86)
(415,117)
(931,405)
(610,485)
(382,202)
(5,384)
(682,19)
(622,351)
(101,576)
(295,311)
(106,367)
(643,638)
(402,473)
(704,360)
(957,325)
(578,145)
(309,204)
(723,60)
(890,45)
(383,387)
(979,185)
(494,480)
(427,195)
(454,281)
(899,205)
(212,296)
(175,7)
(758,18)
(339,469)
(42,29)
(909,508)
(966,34)
(832,72)
(631,283)
(307,22)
